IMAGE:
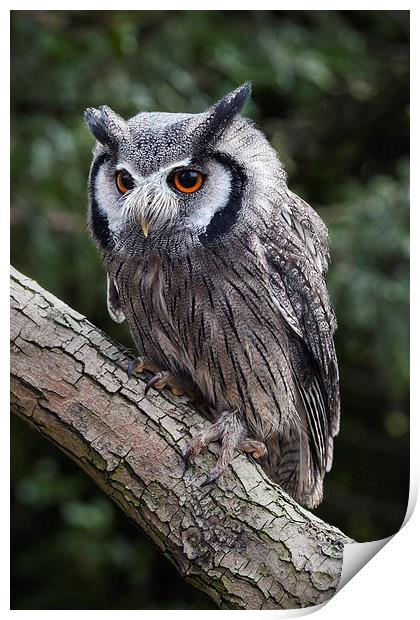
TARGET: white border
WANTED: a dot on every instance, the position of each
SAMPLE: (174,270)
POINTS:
(388,585)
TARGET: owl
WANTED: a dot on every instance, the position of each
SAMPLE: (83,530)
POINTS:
(219,270)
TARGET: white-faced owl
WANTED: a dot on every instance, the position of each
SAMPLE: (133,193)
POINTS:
(218,269)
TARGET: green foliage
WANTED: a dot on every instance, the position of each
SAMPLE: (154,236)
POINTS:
(369,284)
(370,256)
(331,92)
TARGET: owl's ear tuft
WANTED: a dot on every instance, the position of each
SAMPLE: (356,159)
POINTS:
(106,125)
(222,113)
(231,104)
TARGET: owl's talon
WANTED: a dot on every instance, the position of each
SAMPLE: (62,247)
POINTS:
(178,385)
(211,478)
(193,449)
(168,379)
(157,382)
(256,449)
(135,366)
(138,365)
(187,456)
(230,430)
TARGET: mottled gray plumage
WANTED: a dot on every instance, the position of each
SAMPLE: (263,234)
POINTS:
(227,288)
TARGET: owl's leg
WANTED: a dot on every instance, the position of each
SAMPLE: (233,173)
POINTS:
(139,364)
(231,432)
(160,378)
(257,449)
(178,384)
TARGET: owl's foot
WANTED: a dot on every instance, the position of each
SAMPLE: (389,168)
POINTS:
(140,364)
(231,432)
(177,384)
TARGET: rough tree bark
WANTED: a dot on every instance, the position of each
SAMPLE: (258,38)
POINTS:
(243,540)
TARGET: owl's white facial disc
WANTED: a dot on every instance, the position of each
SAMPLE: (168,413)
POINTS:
(153,202)
(212,197)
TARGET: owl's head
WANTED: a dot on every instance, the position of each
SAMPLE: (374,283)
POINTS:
(175,180)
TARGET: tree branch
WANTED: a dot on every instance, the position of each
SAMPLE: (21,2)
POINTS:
(243,541)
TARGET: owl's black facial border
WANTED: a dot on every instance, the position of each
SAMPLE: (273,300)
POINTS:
(223,220)
(98,218)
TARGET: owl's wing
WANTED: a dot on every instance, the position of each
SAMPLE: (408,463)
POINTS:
(113,301)
(296,273)
(309,227)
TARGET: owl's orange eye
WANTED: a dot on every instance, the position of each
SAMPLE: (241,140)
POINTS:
(187,180)
(124,181)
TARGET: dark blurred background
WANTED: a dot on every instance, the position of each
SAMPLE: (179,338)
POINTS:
(331,91)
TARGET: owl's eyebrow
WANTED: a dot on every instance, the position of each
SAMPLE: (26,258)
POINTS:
(177,164)
(124,166)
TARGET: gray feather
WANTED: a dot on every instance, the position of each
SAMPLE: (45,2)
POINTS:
(113,301)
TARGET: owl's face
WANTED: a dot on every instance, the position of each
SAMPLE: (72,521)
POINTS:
(171,178)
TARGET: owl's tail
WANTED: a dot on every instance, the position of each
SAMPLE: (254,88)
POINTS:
(291,464)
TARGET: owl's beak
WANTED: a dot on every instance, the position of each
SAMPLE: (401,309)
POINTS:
(144,225)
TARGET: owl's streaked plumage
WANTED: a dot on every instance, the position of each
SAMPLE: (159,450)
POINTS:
(219,269)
